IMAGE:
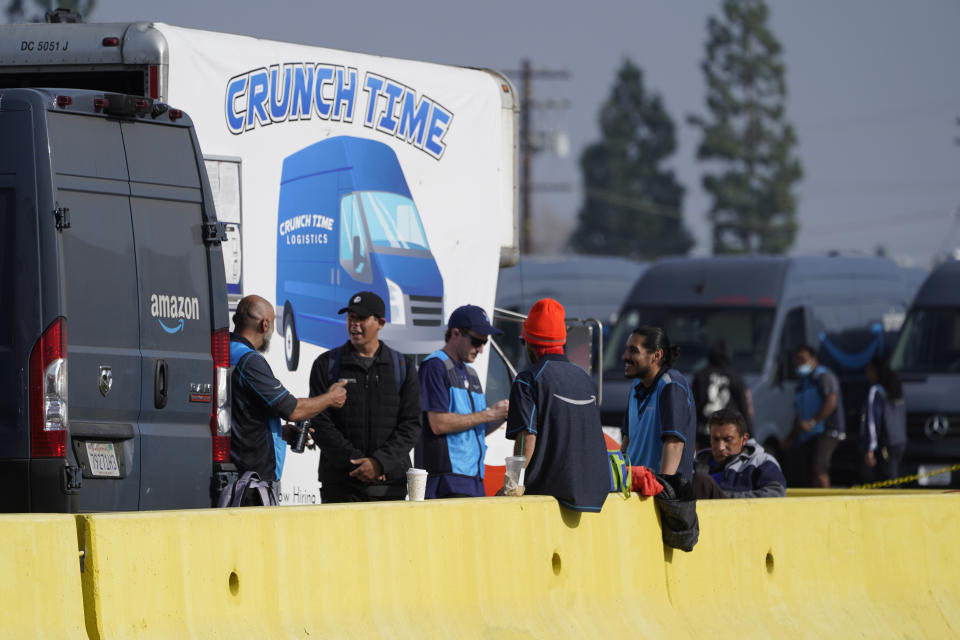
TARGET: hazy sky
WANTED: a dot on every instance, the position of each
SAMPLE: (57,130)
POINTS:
(874,92)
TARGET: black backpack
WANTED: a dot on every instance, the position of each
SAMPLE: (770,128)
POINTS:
(247,491)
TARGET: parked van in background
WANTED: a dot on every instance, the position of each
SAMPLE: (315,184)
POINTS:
(927,357)
(586,286)
(346,223)
(113,311)
(765,308)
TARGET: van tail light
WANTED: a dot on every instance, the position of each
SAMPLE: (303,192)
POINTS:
(154,78)
(48,392)
(220,409)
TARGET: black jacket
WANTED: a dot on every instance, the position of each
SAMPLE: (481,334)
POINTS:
(376,421)
(679,524)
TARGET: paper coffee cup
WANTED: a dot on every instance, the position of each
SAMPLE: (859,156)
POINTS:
(416,483)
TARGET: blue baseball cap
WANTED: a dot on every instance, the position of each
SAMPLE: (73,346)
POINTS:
(474,318)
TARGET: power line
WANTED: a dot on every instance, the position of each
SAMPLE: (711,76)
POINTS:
(884,116)
(875,222)
(634,204)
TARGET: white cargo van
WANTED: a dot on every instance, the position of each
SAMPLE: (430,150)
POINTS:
(765,307)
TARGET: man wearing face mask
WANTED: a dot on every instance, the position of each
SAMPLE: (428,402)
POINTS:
(819,425)
(258,400)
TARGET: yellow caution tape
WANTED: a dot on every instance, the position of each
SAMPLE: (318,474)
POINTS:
(906,479)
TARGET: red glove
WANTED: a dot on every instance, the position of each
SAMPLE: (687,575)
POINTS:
(644,482)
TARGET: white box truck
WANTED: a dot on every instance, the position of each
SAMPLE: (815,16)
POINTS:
(334,172)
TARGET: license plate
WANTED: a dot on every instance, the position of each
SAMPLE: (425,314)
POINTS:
(103,459)
(937,480)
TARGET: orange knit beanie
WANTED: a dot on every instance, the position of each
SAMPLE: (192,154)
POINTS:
(545,325)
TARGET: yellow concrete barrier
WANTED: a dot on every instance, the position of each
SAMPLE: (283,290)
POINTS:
(502,568)
(809,492)
(40,593)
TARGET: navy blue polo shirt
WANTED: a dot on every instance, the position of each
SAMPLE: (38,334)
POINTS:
(665,409)
(257,402)
(556,400)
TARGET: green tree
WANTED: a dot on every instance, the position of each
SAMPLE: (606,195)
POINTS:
(747,138)
(632,204)
(34,10)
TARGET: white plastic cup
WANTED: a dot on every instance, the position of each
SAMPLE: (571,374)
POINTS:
(416,483)
(513,475)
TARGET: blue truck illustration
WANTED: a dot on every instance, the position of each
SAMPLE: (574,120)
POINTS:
(347,222)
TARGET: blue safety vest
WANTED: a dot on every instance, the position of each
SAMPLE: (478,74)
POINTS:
(807,402)
(239,353)
(465,450)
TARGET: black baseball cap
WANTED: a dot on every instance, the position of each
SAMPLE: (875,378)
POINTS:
(472,317)
(365,303)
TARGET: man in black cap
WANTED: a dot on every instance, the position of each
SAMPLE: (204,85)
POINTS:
(456,418)
(365,445)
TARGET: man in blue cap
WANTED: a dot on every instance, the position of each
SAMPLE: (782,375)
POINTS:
(456,417)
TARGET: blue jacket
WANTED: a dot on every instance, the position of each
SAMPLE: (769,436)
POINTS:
(556,400)
(752,473)
(885,421)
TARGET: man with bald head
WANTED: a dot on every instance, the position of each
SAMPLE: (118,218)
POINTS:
(259,400)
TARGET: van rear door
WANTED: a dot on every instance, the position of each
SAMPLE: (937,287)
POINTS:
(19,299)
(175,291)
(101,296)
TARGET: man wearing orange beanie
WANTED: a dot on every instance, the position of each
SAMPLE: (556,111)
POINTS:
(554,417)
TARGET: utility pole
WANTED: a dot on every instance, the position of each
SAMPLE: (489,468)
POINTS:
(526,231)
(528,141)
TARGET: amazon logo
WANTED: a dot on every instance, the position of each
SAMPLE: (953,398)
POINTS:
(172,312)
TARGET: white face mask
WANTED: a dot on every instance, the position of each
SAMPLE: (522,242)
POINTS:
(804,370)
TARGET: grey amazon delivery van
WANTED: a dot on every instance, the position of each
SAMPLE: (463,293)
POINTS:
(927,357)
(113,308)
(849,308)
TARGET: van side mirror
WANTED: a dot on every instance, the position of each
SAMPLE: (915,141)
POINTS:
(359,260)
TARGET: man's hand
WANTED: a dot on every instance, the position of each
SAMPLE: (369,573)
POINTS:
(368,470)
(807,425)
(337,393)
(289,433)
(515,492)
(870,459)
(498,412)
